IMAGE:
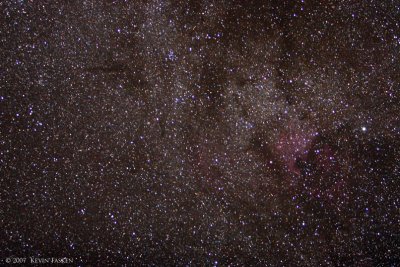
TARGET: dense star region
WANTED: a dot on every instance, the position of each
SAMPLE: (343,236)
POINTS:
(200,132)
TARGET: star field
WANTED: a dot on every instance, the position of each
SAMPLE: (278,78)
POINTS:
(200,133)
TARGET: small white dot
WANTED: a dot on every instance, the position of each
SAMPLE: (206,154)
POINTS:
(364,129)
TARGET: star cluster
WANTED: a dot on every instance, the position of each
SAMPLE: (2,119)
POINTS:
(165,132)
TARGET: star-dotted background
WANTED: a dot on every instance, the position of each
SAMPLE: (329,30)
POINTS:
(164,132)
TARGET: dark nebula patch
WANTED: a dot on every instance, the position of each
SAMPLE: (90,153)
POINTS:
(210,133)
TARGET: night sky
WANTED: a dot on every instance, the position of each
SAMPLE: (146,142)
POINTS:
(201,133)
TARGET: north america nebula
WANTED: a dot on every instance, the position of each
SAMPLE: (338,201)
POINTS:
(200,133)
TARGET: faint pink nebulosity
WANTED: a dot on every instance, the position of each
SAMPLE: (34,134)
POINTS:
(294,144)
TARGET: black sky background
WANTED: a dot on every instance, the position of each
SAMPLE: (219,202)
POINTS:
(257,133)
